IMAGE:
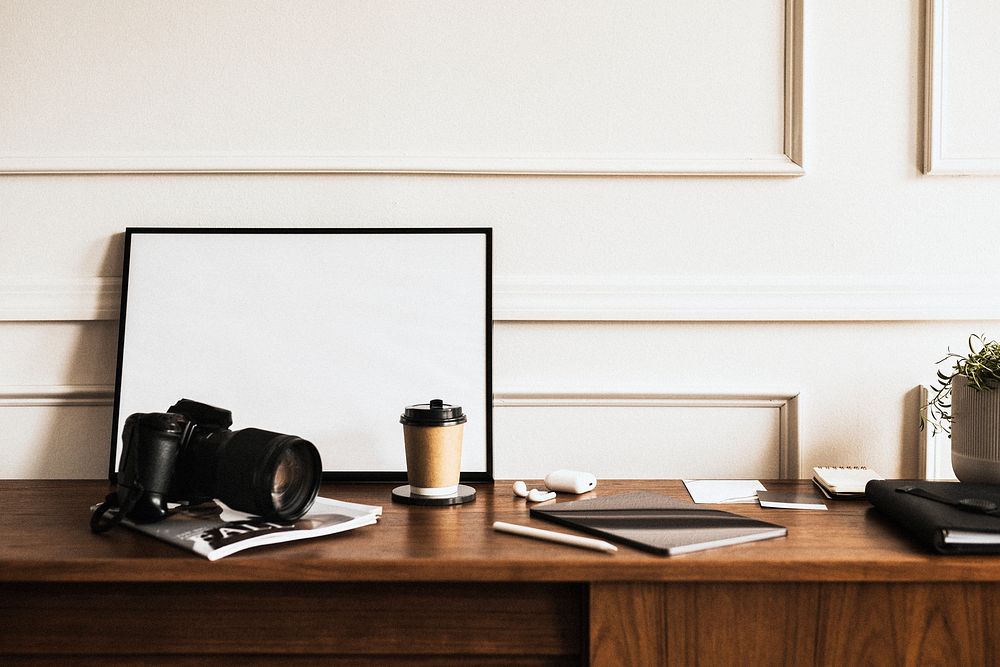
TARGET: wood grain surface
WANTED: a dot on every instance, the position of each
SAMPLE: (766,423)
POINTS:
(437,586)
(293,618)
(48,539)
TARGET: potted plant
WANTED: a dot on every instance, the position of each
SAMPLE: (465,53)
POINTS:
(966,405)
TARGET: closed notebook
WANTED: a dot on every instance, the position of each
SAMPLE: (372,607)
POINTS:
(656,523)
(936,524)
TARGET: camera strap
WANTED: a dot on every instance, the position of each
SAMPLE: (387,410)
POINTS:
(110,513)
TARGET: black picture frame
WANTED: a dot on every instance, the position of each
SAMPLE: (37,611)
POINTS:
(472,237)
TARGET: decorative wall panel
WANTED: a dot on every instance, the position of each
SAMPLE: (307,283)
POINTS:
(567,87)
(962,88)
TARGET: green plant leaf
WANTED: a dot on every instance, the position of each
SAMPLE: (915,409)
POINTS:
(981,368)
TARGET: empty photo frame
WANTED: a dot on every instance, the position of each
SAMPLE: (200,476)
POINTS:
(327,334)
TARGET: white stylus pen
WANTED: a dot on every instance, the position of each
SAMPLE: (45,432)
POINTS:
(552,536)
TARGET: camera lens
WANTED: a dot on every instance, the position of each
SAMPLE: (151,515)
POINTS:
(269,474)
(291,485)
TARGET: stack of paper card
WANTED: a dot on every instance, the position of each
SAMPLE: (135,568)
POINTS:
(791,500)
(718,491)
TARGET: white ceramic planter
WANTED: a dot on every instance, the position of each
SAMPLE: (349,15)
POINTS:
(975,432)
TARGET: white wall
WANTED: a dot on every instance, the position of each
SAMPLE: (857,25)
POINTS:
(842,285)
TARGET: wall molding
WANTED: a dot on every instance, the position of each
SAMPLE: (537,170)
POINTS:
(787,163)
(33,396)
(936,161)
(794,31)
(783,164)
(934,449)
(32,298)
(786,403)
(745,298)
(618,298)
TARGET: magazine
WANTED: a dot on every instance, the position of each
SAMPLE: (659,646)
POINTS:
(215,531)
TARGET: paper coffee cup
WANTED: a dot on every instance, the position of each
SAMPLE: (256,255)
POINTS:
(432,434)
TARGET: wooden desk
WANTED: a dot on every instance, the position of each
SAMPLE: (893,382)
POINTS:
(435,586)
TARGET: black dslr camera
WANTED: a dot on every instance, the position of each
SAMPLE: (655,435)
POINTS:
(189,455)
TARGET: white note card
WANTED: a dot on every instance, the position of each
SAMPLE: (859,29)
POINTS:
(716,491)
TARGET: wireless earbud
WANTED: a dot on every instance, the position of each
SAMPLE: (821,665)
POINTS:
(537,496)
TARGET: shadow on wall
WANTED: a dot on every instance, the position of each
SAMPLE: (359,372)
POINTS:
(76,440)
(75,433)
(114,255)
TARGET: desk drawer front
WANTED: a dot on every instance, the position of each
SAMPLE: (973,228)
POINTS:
(430,620)
(835,624)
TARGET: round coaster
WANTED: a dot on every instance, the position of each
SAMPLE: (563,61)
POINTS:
(402,494)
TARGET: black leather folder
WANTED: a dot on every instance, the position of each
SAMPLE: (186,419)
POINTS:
(947,517)
(657,523)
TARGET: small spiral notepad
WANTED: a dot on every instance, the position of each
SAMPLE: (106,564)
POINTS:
(844,480)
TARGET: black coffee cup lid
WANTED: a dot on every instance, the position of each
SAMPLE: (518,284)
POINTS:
(434,413)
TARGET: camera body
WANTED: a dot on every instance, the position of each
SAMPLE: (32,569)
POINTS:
(189,455)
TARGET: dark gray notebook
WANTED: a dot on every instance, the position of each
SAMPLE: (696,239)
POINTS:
(658,523)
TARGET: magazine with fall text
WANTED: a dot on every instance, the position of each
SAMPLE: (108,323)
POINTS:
(215,531)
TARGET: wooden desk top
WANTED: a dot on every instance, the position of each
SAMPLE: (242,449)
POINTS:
(45,537)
